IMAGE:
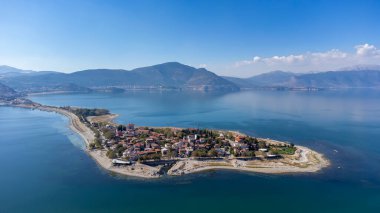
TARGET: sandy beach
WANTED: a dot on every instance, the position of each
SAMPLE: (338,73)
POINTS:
(137,170)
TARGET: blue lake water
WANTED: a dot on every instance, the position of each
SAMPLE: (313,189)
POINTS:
(44,168)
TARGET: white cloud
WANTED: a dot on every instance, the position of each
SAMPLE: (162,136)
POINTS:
(256,59)
(310,61)
(285,59)
(366,50)
(331,54)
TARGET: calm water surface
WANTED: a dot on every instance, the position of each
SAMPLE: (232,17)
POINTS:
(44,168)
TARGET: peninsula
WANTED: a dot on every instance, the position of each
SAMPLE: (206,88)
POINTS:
(152,152)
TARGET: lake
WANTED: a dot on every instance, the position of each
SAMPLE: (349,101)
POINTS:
(44,167)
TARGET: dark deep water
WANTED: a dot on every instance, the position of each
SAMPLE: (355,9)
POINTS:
(44,168)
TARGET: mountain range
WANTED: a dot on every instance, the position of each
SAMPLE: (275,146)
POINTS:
(320,80)
(173,75)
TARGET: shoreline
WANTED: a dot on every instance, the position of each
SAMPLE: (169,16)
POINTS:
(269,167)
(98,155)
(304,160)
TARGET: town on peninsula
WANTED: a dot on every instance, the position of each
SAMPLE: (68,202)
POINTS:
(152,152)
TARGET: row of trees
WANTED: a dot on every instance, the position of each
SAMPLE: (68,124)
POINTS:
(117,152)
(285,150)
(87,112)
(155,156)
(204,153)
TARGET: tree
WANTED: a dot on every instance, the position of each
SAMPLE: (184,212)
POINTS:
(249,154)
(91,145)
(218,141)
(199,153)
(262,144)
(120,149)
(155,156)
(111,154)
(109,134)
(98,143)
(121,128)
(180,134)
(230,136)
(232,151)
(275,151)
(212,153)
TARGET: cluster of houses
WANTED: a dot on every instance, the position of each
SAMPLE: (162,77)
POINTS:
(133,143)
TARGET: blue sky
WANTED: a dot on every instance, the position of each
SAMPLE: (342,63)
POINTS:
(236,38)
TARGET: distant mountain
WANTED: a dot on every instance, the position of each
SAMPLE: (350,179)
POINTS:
(361,67)
(332,79)
(171,75)
(341,79)
(242,83)
(11,71)
(179,75)
(7,69)
(270,79)
(275,78)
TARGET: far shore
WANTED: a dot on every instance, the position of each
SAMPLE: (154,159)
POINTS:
(304,160)
(52,92)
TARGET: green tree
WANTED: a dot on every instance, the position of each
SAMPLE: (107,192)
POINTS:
(109,134)
(91,145)
(249,154)
(199,153)
(121,128)
(97,143)
(111,154)
(232,151)
(262,144)
(212,153)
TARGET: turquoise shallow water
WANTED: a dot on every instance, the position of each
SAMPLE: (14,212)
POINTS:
(44,168)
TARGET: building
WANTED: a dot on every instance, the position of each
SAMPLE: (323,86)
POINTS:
(131,126)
